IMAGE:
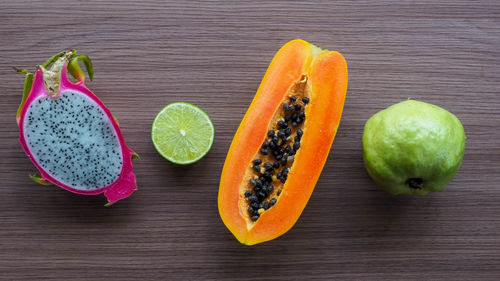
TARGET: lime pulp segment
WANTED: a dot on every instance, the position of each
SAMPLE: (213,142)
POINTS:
(182,133)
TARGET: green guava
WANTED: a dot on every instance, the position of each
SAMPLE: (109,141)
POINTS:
(413,147)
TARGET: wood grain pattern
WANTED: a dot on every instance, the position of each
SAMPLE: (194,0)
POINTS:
(213,54)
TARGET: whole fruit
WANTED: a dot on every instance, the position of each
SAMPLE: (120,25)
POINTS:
(413,147)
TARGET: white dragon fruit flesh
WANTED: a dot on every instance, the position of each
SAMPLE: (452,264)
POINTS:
(69,135)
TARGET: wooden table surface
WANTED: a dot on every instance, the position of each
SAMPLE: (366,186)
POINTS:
(213,54)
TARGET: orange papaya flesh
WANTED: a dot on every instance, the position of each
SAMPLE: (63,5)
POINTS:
(299,70)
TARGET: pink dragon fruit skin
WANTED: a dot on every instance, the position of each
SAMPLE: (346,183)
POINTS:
(125,183)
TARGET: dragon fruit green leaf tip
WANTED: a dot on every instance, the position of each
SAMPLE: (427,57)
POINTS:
(70,136)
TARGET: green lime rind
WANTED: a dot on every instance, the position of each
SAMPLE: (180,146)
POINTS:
(182,133)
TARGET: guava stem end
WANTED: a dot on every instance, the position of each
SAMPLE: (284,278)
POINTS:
(415,183)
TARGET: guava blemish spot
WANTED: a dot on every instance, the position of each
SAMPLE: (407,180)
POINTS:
(415,183)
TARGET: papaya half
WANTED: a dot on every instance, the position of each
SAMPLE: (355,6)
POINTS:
(282,143)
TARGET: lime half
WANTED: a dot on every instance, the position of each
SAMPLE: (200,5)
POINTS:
(182,133)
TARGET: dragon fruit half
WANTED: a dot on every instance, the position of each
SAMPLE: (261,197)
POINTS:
(68,133)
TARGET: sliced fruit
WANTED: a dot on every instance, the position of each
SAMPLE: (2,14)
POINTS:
(182,133)
(282,143)
(70,135)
